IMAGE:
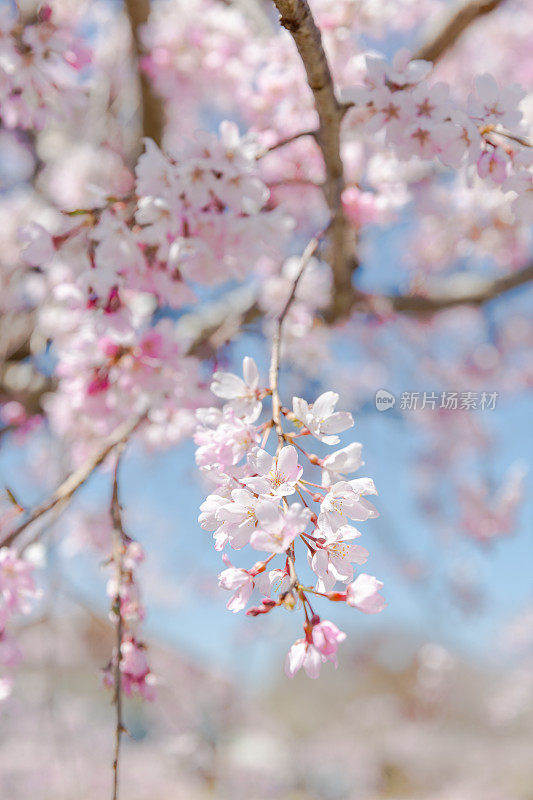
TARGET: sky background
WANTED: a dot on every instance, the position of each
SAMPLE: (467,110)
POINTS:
(161,495)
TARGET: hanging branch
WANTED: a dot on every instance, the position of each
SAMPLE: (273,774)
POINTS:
(309,251)
(119,539)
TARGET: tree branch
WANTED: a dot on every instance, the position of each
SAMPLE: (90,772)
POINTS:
(119,538)
(218,323)
(481,291)
(454,26)
(152,110)
(65,491)
(297,18)
(273,374)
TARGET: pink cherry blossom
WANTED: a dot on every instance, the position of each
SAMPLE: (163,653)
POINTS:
(17,586)
(493,163)
(135,672)
(238,581)
(326,639)
(492,104)
(241,516)
(363,594)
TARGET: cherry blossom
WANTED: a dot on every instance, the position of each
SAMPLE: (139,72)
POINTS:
(253,509)
(303,654)
(276,475)
(239,581)
(240,517)
(363,594)
(494,105)
(241,393)
(319,646)
(320,418)
(334,558)
(345,500)
(277,529)
(344,461)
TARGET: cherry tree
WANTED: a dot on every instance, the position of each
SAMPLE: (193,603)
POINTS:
(187,178)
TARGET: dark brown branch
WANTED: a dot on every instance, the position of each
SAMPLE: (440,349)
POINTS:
(482,291)
(138,12)
(71,485)
(296,17)
(455,25)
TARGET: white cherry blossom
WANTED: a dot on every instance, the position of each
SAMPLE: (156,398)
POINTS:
(242,393)
(345,501)
(341,462)
(277,529)
(333,560)
(276,475)
(321,419)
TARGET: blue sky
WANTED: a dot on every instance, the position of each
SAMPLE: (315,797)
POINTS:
(162,493)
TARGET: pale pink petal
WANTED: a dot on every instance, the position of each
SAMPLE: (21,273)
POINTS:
(363,594)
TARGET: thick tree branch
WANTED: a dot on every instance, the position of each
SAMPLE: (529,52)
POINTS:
(446,36)
(218,323)
(138,12)
(481,291)
(296,17)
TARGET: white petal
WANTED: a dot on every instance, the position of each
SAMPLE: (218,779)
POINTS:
(227,386)
(250,372)
(324,405)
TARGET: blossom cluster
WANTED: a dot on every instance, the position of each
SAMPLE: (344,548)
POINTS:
(422,119)
(124,592)
(17,592)
(198,218)
(39,68)
(250,506)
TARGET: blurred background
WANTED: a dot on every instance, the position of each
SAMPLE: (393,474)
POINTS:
(433,698)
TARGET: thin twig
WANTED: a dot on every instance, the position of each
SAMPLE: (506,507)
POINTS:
(288,140)
(524,141)
(309,251)
(65,491)
(119,538)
